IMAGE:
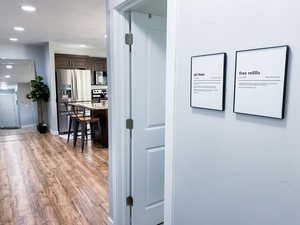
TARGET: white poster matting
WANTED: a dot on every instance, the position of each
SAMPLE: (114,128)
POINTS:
(260,81)
(207,81)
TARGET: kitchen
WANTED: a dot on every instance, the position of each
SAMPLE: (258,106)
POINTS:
(81,90)
(53,55)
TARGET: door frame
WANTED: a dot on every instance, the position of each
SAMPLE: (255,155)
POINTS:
(119,110)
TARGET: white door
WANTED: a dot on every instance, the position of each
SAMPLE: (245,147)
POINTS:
(9,111)
(148,113)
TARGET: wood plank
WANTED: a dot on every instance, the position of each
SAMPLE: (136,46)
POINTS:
(43,180)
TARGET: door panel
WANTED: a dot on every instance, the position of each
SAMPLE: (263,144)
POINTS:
(155,164)
(9,111)
(155,79)
(148,112)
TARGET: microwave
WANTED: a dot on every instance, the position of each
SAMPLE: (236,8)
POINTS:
(100,78)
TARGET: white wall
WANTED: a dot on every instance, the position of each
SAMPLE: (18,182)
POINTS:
(50,79)
(20,51)
(233,169)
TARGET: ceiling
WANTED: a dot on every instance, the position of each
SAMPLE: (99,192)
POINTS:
(156,7)
(64,21)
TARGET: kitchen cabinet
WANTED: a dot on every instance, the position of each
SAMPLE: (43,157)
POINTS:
(64,61)
(98,64)
(80,62)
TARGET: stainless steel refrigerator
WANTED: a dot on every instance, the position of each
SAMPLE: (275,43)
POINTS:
(71,86)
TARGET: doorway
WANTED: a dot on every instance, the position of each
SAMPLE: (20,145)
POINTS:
(8,108)
(16,110)
(137,90)
(148,63)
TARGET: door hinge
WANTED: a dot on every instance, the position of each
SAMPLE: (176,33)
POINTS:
(129,201)
(129,124)
(129,39)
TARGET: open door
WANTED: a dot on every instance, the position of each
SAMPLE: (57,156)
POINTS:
(148,68)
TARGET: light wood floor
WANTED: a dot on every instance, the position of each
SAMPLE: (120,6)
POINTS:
(45,181)
(9,132)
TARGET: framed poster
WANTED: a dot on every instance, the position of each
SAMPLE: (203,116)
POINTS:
(260,81)
(207,89)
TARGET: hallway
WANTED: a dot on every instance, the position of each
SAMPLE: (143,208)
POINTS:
(43,180)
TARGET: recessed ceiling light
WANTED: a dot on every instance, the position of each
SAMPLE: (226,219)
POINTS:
(28,8)
(7,76)
(82,46)
(14,39)
(19,29)
(9,67)
(105,36)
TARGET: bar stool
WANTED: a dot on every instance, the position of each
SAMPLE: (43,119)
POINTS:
(83,120)
(72,119)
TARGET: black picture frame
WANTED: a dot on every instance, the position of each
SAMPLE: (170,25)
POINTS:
(224,80)
(284,82)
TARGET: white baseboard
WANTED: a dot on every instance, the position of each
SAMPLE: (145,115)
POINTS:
(54,132)
(110,221)
(28,126)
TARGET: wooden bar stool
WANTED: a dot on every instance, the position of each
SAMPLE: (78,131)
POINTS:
(72,119)
(83,120)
